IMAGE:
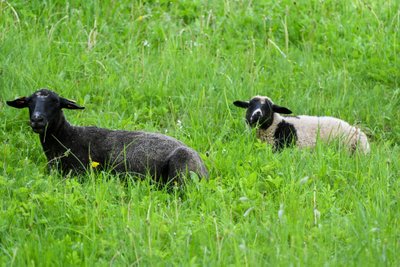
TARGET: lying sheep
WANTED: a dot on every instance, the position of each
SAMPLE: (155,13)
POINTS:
(74,148)
(302,131)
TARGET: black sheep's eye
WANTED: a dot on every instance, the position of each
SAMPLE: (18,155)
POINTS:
(55,102)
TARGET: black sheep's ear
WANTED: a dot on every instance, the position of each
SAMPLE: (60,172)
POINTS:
(282,110)
(241,104)
(21,102)
(69,104)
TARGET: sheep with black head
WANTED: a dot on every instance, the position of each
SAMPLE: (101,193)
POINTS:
(302,131)
(74,148)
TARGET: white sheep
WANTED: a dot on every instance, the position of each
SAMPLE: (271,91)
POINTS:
(303,131)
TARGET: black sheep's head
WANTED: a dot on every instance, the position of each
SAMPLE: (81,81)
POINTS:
(260,111)
(45,108)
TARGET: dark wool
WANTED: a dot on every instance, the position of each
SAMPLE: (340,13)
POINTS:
(72,148)
(285,135)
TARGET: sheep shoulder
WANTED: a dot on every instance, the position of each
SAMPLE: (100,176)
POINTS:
(73,147)
(280,133)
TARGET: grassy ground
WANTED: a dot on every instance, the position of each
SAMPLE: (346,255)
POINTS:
(176,67)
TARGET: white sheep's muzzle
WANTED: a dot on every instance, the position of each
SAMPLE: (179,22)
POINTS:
(255,116)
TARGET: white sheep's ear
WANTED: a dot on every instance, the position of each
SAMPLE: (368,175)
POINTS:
(21,102)
(241,104)
(281,110)
(69,104)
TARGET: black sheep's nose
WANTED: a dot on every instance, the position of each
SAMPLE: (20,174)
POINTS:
(36,117)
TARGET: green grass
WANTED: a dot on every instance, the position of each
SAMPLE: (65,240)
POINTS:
(147,65)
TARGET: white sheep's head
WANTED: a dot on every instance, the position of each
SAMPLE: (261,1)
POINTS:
(44,109)
(260,111)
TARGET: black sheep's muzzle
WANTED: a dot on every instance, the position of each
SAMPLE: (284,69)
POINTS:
(38,123)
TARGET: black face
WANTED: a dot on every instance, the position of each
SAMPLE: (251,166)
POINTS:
(260,111)
(44,108)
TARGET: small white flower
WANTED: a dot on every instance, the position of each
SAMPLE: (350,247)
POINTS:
(146,43)
(304,180)
(247,212)
(281,212)
(317,215)
(179,124)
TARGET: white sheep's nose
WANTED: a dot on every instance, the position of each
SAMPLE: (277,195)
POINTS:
(255,116)
(257,113)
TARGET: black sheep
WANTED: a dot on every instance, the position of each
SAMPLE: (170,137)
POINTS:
(73,148)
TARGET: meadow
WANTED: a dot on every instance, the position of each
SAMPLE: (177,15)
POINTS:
(175,67)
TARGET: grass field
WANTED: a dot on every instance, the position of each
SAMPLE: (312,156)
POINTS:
(176,67)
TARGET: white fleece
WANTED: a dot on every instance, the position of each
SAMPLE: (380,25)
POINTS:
(309,129)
